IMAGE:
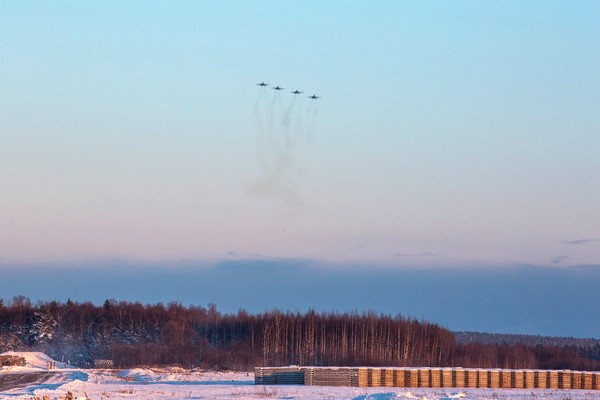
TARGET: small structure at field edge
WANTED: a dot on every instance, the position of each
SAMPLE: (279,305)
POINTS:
(427,377)
(10,360)
(104,364)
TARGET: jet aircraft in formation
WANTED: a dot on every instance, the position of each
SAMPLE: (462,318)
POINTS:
(278,88)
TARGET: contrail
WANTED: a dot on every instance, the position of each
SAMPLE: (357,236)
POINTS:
(281,133)
(286,118)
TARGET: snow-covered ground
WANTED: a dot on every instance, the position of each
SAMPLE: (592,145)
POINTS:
(175,383)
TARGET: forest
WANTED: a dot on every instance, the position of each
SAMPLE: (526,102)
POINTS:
(133,334)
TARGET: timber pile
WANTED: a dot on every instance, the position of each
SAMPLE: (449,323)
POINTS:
(281,376)
(483,379)
(576,380)
(530,379)
(424,375)
(427,377)
(448,378)
(387,375)
(587,381)
(541,379)
(330,376)
(400,378)
(519,379)
(471,378)
(553,379)
(436,377)
(460,378)
(564,379)
(413,378)
(495,378)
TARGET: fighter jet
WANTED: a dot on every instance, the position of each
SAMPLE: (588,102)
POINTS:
(278,88)
(262,84)
(314,97)
(297,92)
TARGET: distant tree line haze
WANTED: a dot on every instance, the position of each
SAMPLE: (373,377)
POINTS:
(132,334)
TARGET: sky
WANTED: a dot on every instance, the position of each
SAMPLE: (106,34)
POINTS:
(458,135)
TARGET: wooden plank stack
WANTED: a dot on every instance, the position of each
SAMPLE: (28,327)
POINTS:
(280,376)
(399,376)
(530,379)
(471,378)
(436,377)
(388,377)
(374,377)
(448,378)
(414,378)
(460,378)
(519,379)
(588,382)
(508,380)
(576,380)
(330,376)
(354,377)
(483,380)
(564,379)
(427,377)
(542,379)
(363,377)
(553,381)
(495,381)
(424,375)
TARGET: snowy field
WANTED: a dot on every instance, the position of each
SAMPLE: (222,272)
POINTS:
(34,381)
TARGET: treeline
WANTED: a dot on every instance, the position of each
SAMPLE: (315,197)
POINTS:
(132,334)
(528,340)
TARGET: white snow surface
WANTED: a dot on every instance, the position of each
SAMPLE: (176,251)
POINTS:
(176,383)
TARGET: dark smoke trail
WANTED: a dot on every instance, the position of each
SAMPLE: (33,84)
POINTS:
(286,118)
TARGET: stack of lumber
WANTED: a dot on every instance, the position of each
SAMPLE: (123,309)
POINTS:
(388,377)
(374,377)
(427,377)
(564,379)
(363,377)
(460,378)
(280,376)
(530,379)
(542,379)
(495,380)
(330,376)
(436,377)
(553,380)
(508,379)
(413,378)
(354,377)
(483,380)
(471,378)
(424,375)
(576,380)
(519,379)
(448,378)
(588,382)
(400,378)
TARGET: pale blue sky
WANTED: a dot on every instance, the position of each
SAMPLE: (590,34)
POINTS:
(449,133)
